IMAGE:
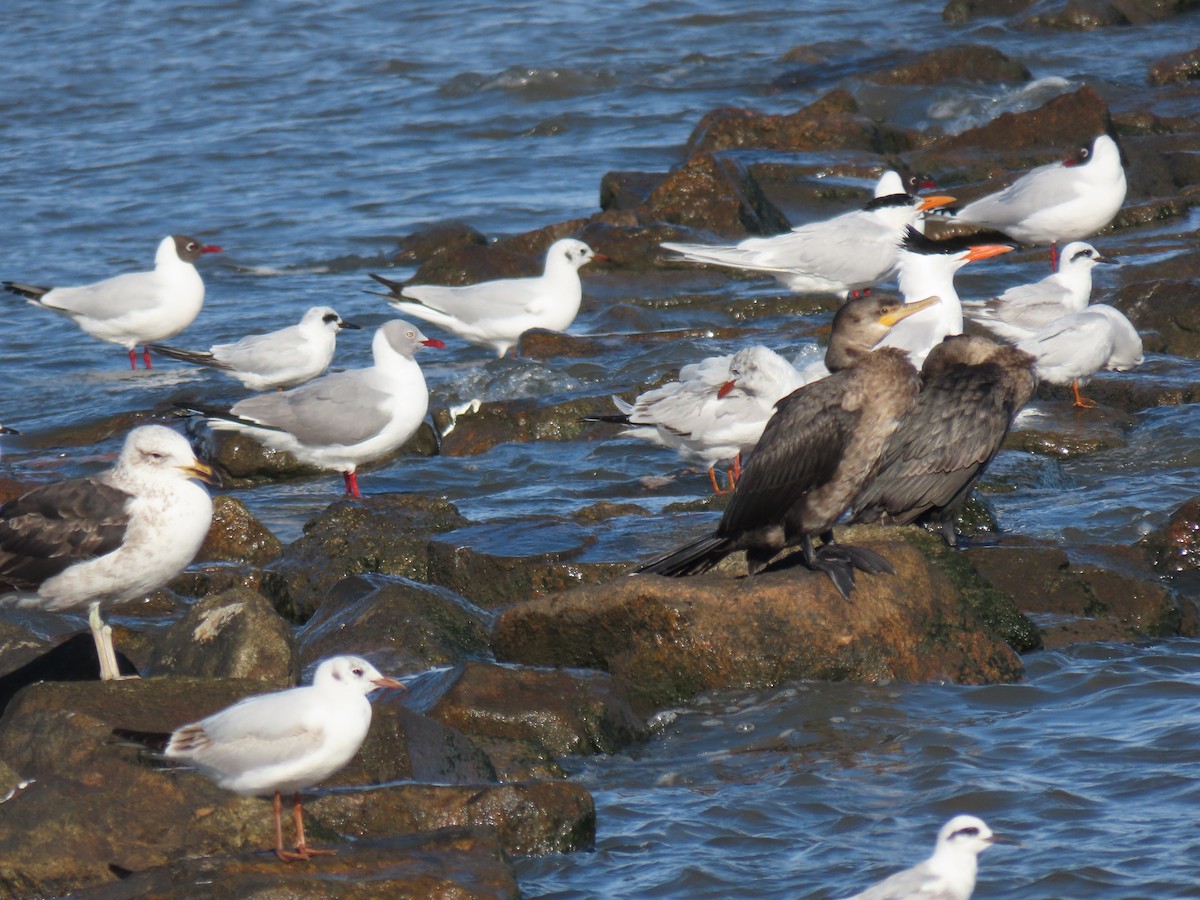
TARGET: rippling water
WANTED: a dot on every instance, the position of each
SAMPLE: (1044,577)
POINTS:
(305,137)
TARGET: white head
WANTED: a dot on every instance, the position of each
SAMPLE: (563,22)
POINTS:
(570,251)
(1080,256)
(403,338)
(351,673)
(324,318)
(158,452)
(965,836)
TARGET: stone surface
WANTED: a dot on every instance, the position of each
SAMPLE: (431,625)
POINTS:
(714,193)
(1175,546)
(236,536)
(964,62)
(1176,67)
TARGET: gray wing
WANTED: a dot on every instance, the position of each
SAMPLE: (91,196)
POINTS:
(108,299)
(907,885)
(486,300)
(1040,188)
(339,409)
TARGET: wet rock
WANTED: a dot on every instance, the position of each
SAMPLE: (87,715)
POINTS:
(667,639)
(234,634)
(965,10)
(236,536)
(964,62)
(1056,428)
(1175,546)
(533,818)
(1176,67)
(435,240)
(832,122)
(567,713)
(387,533)
(498,564)
(635,245)
(471,262)
(72,660)
(1168,307)
(402,626)
(715,193)
(1075,602)
(18,646)
(628,190)
(523,420)
(452,862)
(1080,15)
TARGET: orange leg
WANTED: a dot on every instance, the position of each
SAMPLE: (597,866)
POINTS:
(1082,402)
(303,852)
(712,476)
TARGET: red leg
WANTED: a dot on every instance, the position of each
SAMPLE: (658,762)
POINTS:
(146,357)
(133,360)
(1054,256)
(302,847)
(351,479)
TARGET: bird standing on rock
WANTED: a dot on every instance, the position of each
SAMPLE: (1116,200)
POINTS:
(496,313)
(92,542)
(135,308)
(822,446)
(281,742)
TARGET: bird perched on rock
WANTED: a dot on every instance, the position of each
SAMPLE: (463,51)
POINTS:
(278,359)
(818,451)
(343,420)
(496,313)
(93,542)
(135,308)
(1073,348)
(1056,203)
(850,252)
(1026,309)
(947,875)
(971,388)
(281,742)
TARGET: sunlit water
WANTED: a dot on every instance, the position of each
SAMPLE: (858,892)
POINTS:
(306,137)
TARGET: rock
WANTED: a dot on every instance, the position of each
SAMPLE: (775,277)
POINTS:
(1080,15)
(1176,67)
(470,262)
(1168,307)
(522,421)
(72,660)
(18,646)
(437,239)
(960,11)
(567,713)
(633,246)
(402,626)
(501,563)
(665,640)
(1055,428)
(236,536)
(715,194)
(451,862)
(964,62)
(234,634)
(627,190)
(1175,546)
(1080,602)
(386,533)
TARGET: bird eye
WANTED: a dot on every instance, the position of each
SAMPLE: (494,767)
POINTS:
(969,831)
(191,245)
(358,673)
(410,334)
(1084,153)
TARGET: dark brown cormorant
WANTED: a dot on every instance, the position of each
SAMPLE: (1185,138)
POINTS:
(817,451)
(971,389)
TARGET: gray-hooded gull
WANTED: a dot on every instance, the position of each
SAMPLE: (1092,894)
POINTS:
(341,421)
(281,742)
(949,874)
(93,542)
(496,313)
(279,359)
(137,307)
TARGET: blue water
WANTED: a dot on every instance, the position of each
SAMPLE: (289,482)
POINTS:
(305,138)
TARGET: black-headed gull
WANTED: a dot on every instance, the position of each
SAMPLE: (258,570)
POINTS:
(278,359)
(1056,203)
(971,388)
(850,252)
(137,307)
(817,452)
(927,269)
(281,742)
(346,419)
(947,875)
(496,313)
(1023,310)
(1074,347)
(92,542)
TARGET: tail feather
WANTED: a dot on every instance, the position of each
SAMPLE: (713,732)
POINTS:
(614,419)
(28,291)
(692,559)
(210,411)
(196,357)
(152,740)
(394,286)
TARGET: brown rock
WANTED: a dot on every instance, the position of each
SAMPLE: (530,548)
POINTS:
(234,634)
(1175,546)
(965,62)
(1168,307)
(18,645)
(386,533)
(236,536)
(523,420)
(1176,67)
(667,639)
(402,626)
(435,240)
(627,190)
(714,193)
(1061,431)
(965,10)
(1081,15)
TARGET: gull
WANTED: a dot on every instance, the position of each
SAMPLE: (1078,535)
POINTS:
(93,542)
(284,741)
(927,268)
(279,359)
(715,412)
(496,313)
(343,420)
(947,875)
(1074,347)
(1056,203)
(850,252)
(137,307)
(1023,310)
